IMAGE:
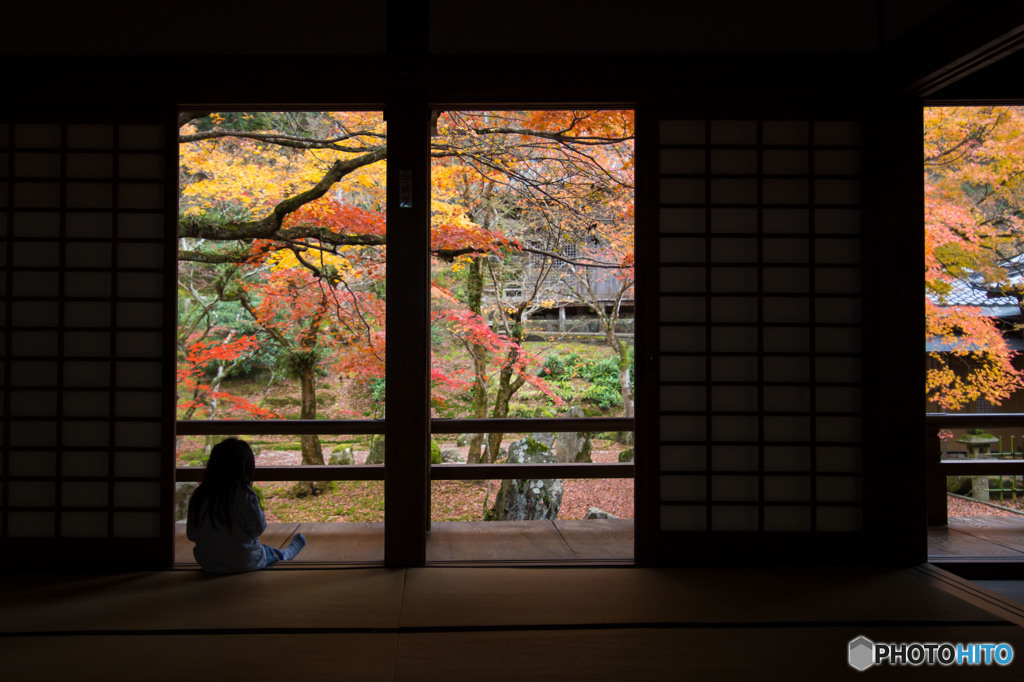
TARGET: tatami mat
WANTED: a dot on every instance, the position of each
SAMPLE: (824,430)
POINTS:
(188,600)
(355,657)
(524,542)
(458,623)
(668,655)
(547,596)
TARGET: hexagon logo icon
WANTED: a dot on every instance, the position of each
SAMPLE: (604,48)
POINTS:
(862,653)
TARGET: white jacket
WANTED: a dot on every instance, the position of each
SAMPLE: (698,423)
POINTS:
(219,550)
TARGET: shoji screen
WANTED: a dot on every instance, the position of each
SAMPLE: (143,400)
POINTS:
(758,354)
(83,364)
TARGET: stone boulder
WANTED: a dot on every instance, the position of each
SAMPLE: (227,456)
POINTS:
(570,447)
(452,456)
(529,499)
(462,440)
(596,513)
(626,455)
(343,456)
(182,494)
(376,455)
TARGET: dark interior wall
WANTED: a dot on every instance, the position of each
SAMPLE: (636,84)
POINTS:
(116,27)
(718,66)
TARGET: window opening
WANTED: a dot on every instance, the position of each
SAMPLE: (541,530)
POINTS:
(974,279)
(281,286)
(281,267)
(532,311)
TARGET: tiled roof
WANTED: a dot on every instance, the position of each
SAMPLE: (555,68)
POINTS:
(975,293)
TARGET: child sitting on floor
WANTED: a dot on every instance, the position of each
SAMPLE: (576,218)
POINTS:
(225,518)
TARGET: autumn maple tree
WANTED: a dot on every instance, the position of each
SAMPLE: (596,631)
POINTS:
(554,195)
(282,216)
(974,241)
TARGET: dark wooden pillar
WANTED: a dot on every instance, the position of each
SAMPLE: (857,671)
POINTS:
(895,474)
(407,395)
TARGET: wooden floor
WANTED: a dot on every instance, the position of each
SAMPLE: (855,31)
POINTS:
(978,538)
(449,624)
(601,541)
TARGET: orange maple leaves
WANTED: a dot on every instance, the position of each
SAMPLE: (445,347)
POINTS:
(974,161)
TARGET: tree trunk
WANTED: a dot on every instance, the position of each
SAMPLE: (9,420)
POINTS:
(624,380)
(474,289)
(500,411)
(508,384)
(312,451)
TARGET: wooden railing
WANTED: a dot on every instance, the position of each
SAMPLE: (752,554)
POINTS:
(938,469)
(438,472)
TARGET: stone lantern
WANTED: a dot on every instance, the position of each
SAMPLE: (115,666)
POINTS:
(978,443)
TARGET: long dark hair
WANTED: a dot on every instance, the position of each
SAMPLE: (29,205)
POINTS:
(231,463)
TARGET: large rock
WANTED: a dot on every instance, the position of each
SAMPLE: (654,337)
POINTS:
(529,499)
(182,494)
(452,456)
(571,447)
(343,456)
(598,513)
(376,455)
(462,440)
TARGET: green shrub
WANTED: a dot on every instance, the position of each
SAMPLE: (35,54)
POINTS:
(601,375)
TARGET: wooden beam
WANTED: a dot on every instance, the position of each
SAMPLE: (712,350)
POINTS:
(963,38)
(276,427)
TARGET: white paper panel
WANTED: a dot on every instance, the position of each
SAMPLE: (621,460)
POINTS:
(684,161)
(136,494)
(738,519)
(734,398)
(90,136)
(734,339)
(734,457)
(787,519)
(83,524)
(787,488)
(734,281)
(733,161)
(839,488)
(136,524)
(839,519)
(31,524)
(733,132)
(90,195)
(734,488)
(681,339)
(37,135)
(785,132)
(90,165)
(682,220)
(683,488)
(733,250)
(141,137)
(682,457)
(84,494)
(681,132)
(683,519)
(733,428)
(86,434)
(737,220)
(734,368)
